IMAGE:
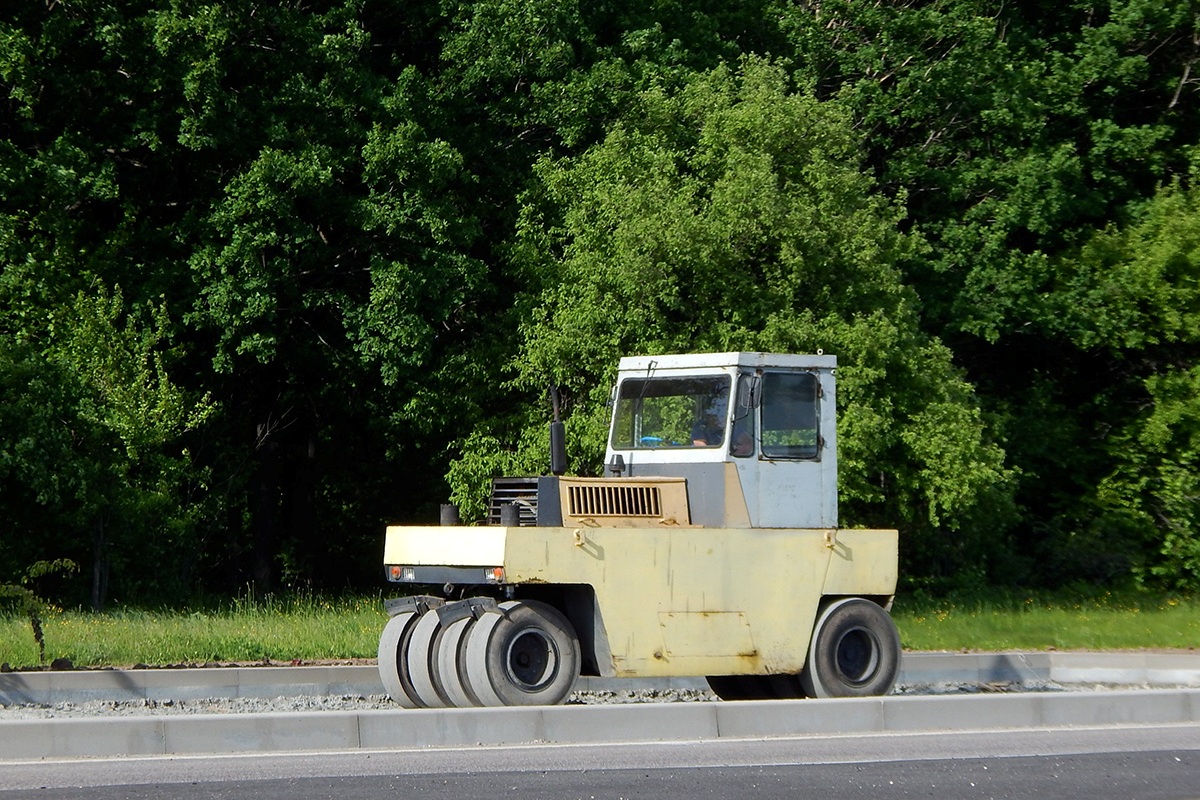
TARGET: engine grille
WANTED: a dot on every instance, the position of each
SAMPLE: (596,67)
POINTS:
(624,502)
(606,502)
(614,501)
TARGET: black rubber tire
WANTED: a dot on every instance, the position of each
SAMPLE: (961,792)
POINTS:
(420,652)
(526,655)
(855,651)
(451,673)
(393,666)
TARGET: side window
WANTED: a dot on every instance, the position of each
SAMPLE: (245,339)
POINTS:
(790,420)
(741,445)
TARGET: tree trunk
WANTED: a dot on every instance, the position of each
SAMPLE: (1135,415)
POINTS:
(266,510)
(300,528)
(99,565)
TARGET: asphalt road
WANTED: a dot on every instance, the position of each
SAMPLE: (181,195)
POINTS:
(1146,763)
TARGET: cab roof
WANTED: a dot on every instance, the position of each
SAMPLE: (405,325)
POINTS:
(745,360)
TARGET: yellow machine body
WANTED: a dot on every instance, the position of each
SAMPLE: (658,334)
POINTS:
(673,601)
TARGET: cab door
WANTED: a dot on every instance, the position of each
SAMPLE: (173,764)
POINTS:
(789,478)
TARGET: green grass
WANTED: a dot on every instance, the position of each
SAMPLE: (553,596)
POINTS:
(1105,621)
(313,628)
(297,629)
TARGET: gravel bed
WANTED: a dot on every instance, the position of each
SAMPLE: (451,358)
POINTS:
(254,705)
(250,705)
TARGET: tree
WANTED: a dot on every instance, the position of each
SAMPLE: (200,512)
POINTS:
(734,214)
(366,230)
(94,461)
(93,443)
(330,270)
(1012,131)
(1132,293)
(1015,133)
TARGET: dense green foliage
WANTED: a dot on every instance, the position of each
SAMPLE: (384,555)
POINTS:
(273,274)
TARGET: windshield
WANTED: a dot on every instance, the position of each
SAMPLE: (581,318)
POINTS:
(671,412)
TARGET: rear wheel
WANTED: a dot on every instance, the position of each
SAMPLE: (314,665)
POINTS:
(855,651)
(525,655)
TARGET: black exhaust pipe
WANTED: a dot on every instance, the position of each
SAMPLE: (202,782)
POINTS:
(558,437)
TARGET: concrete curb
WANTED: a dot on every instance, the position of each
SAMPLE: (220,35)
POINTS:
(1129,669)
(326,731)
(46,688)
(79,686)
(22,739)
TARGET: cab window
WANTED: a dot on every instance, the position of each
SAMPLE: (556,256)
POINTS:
(671,412)
(790,419)
(741,443)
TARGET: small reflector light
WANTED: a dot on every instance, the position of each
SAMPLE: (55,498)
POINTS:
(494,574)
(394,573)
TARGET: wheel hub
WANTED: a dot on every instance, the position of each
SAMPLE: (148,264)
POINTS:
(531,660)
(857,656)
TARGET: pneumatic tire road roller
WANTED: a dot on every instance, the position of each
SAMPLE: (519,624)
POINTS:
(710,547)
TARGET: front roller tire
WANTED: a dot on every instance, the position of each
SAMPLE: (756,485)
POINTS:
(449,661)
(855,651)
(422,672)
(393,666)
(526,655)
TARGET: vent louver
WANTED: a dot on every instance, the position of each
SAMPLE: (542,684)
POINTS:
(624,502)
(523,492)
(614,501)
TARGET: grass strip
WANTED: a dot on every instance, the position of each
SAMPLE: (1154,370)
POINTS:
(1104,622)
(244,631)
(313,628)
